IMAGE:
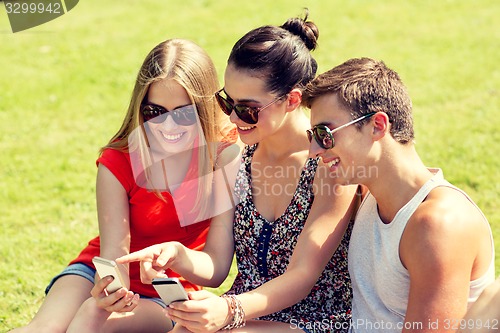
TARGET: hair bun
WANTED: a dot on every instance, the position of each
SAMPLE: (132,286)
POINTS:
(306,30)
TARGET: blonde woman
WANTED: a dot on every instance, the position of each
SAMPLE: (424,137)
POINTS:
(154,180)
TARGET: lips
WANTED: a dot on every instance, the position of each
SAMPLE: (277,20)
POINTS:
(173,137)
(332,163)
(243,129)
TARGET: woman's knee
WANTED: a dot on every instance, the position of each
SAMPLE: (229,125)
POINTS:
(89,318)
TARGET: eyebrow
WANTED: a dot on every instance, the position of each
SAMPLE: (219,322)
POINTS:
(329,125)
(181,106)
(177,107)
(246,100)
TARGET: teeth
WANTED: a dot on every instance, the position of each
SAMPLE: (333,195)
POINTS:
(172,137)
(246,128)
(334,162)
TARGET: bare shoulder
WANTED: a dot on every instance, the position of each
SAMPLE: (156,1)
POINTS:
(444,227)
(447,209)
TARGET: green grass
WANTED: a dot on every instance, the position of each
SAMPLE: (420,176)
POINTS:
(65,86)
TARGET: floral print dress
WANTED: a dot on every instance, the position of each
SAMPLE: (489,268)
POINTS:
(264,248)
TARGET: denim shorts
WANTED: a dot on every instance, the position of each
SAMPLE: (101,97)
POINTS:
(88,273)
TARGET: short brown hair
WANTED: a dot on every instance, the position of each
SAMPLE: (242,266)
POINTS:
(365,85)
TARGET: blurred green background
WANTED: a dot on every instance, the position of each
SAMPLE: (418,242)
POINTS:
(65,86)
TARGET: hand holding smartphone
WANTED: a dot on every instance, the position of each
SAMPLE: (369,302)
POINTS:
(170,290)
(107,267)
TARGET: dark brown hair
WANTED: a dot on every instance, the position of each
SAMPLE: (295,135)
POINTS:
(279,55)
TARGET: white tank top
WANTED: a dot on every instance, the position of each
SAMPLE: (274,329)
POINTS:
(380,282)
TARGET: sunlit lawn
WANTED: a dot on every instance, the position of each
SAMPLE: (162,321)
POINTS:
(65,86)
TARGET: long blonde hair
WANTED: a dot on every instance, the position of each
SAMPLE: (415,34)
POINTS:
(190,66)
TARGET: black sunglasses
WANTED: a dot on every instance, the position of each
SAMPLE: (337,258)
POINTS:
(324,136)
(184,116)
(249,114)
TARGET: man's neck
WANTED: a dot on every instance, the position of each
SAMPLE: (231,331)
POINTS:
(400,177)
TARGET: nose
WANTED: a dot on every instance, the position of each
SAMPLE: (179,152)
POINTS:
(169,123)
(315,150)
(233,117)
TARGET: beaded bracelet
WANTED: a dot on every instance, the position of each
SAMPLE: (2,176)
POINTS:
(236,311)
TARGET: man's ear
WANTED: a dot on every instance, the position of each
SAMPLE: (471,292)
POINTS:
(294,98)
(381,125)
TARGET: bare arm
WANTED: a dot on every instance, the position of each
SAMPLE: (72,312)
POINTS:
(322,234)
(113,217)
(208,267)
(441,249)
(114,231)
(318,241)
(211,266)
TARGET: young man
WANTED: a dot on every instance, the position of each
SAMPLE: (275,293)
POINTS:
(421,251)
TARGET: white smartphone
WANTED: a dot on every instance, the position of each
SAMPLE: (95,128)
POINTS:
(170,290)
(106,267)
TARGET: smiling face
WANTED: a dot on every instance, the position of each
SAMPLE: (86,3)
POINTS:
(348,160)
(243,89)
(169,136)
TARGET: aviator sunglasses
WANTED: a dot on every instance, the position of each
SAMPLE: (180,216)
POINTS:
(324,136)
(184,116)
(249,114)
